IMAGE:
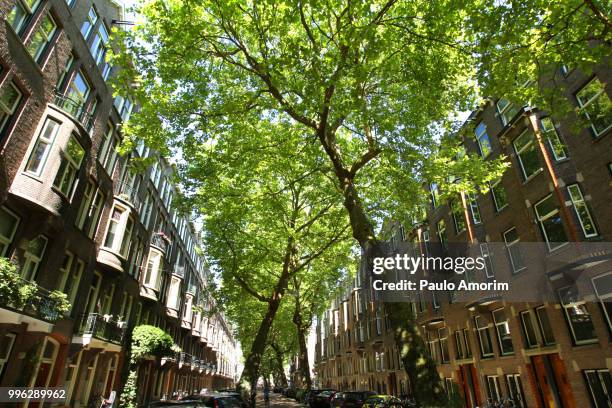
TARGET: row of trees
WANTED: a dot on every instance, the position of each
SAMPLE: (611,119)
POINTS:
(302,124)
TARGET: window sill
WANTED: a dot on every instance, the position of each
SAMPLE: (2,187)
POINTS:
(555,251)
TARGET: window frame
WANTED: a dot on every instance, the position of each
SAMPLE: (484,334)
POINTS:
(29,11)
(553,139)
(49,146)
(483,135)
(543,218)
(6,112)
(505,110)
(579,200)
(575,305)
(601,298)
(495,187)
(479,332)
(529,147)
(498,326)
(71,169)
(47,38)
(8,241)
(584,105)
(35,259)
(509,246)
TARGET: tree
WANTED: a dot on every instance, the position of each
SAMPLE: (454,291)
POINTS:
(373,84)
(268,214)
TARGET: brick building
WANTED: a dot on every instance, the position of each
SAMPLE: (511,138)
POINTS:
(553,352)
(75,219)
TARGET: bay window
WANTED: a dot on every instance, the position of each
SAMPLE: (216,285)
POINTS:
(550,222)
(10,97)
(153,269)
(119,230)
(174,290)
(187,308)
(43,145)
(71,160)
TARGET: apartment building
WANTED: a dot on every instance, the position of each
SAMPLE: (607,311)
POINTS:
(75,219)
(549,352)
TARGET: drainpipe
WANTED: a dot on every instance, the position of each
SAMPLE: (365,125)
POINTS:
(535,124)
(468,219)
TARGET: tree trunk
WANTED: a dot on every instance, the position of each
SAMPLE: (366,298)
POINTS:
(252,363)
(303,364)
(421,369)
(280,370)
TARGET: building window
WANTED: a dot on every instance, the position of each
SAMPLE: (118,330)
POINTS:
(550,223)
(498,192)
(484,144)
(515,390)
(458,218)
(119,230)
(21,13)
(502,328)
(153,271)
(527,155)
(596,106)
(442,233)
(71,160)
(484,337)
(552,138)
(514,251)
(468,346)
(42,38)
(600,387)
(6,347)
(603,290)
(484,252)
(108,150)
(493,388)
(506,110)
(10,97)
(174,291)
(459,350)
(582,211)
(8,225)
(527,321)
(90,22)
(187,312)
(41,149)
(474,210)
(71,277)
(546,331)
(435,194)
(32,257)
(93,216)
(577,316)
(98,50)
(443,336)
(77,93)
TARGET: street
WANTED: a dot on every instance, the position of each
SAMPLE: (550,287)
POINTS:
(278,401)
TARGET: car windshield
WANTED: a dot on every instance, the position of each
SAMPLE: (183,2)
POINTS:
(326,393)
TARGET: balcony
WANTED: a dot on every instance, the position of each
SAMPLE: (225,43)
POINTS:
(127,193)
(161,241)
(40,311)
(75,109)
(97,327)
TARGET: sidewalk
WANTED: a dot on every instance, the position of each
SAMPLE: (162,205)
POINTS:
(278,401)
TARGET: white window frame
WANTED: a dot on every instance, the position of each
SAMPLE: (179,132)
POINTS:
(71,170)
(584,104)
(174,291)
(506,109)
(156,256)
(576,305)
(4,360)
(603,298)
(487,335)
(6,241)
(28,12)
(493,186)
(34,259)
(602,382)
(493,380)
(46,37)
(575,193)
(122,231)
(550,132)
(542,218)
(91,20)
(509,245)
(524,148)
(7,111)
(502,325)
(87,200)
(480,135)
(486,255)
(516,392)
(48,141)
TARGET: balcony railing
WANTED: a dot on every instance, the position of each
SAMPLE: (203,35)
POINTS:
(40,305)
(75,109)
(127,192)
(160,240)
(105,329)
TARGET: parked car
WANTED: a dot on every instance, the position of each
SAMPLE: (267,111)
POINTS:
(351,399)
(233,393)
(216,400)
(382,401)
(289,392)
(184,403)
(313,393)
(323,399)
